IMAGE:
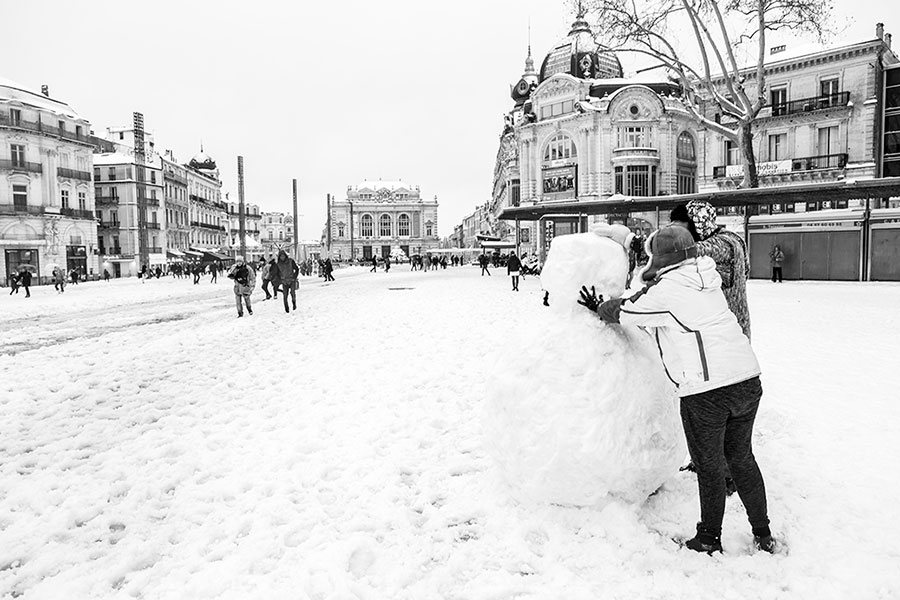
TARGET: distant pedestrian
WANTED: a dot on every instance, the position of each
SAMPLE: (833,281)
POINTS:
(328,268)
(13,283)
(287,271)
(244,281)
(777,256)
(483,260)
(196,271)
(106,275)
(25,281)
(214,273)
(374,265)
(59,280)
(267,278)
(513,266)
(73,275)
(158,271)
(387,264)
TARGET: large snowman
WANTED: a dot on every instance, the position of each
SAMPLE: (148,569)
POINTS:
(584,412)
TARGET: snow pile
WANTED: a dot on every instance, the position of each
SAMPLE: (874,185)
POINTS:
(584,412)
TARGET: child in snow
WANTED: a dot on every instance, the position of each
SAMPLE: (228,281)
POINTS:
(706,354)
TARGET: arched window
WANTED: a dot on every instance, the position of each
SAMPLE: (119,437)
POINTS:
(403,225)
(686,168)
(384,226)
(366,226)
(686,149)
(560,147)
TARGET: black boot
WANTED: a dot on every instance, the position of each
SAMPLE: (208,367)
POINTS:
(730,487)
(763,540)
(705,541)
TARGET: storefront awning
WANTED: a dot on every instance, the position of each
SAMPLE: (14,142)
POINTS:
(174,253)
(193,255)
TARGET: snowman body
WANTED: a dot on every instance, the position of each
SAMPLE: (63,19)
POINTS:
(584,413)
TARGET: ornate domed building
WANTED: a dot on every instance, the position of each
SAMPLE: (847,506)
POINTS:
(579,130)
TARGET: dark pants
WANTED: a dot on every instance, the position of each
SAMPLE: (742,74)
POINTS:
(484,270)
(27,291)
(776,274)
(720,422)
(515,282)
(289,288)
(265,288)
(237,301)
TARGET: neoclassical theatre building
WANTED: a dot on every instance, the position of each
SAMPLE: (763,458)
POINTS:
(378,218)
(580,131)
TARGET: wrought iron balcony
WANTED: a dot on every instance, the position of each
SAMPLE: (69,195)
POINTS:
(73,174)
(152,225)
(109,224)
(20,209)
(106,199)
(810,104)
(808,163)
(42,128)
(77,213)
(20,165)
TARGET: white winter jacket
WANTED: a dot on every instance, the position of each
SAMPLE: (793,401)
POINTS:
(701,344)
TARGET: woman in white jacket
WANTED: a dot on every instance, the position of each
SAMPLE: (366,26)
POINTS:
(706,354)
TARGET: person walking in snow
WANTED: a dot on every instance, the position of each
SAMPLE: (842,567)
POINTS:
(244,281)
(374,264)
(328,269)
(59,280)
(513,266)
(106,275)
(287,271)
(387,263)
(710,360)
(13,283)
(213,273)
(777,258)
(25,281)
(267,277)
(483,261)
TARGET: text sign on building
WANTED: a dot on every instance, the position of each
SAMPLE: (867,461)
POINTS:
(560,180)
(776,167)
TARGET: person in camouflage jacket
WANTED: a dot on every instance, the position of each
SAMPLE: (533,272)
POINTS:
(726,248)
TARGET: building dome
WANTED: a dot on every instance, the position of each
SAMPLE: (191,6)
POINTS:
(580,56)
(203,161)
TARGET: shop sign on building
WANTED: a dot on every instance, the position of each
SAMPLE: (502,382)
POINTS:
(775,167)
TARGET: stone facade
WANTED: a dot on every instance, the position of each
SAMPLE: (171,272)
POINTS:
(378,218)
(47,214)
(822,122)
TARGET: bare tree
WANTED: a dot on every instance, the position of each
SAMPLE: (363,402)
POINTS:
(715,29)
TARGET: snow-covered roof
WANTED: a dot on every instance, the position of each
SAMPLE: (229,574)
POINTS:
(12,90)
(379,185)
(112,158)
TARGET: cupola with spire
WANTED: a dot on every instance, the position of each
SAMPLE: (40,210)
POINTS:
(580,55)
(203,161)
(529,80)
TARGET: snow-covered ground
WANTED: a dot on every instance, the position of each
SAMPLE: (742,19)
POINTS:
(152,445)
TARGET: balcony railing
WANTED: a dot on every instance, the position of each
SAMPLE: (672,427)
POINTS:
(20,165)
(207,226)
(73,174)
(106,199)
(19,209)
(808,163)
(41,128)
(175,178)
(111,251)
(77,213)
(152,225)
(810,104)
(154,250)
(152,201)
(109,224)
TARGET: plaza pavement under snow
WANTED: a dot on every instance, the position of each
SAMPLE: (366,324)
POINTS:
(152,445)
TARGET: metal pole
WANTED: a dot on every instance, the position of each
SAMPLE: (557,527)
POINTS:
(242,227)
(352,253)
(296,239)
(328,225)
(141,191)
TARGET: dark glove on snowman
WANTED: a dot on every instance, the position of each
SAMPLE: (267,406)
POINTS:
(590,299)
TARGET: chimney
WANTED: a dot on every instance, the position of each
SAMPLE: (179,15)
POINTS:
(879,30)
(45,90)
(887,40)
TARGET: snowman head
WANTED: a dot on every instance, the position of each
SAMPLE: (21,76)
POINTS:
(583,259)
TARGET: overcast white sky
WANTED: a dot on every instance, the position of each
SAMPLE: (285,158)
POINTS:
(330,92)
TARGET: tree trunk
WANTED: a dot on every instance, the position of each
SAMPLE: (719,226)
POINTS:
(751,178)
